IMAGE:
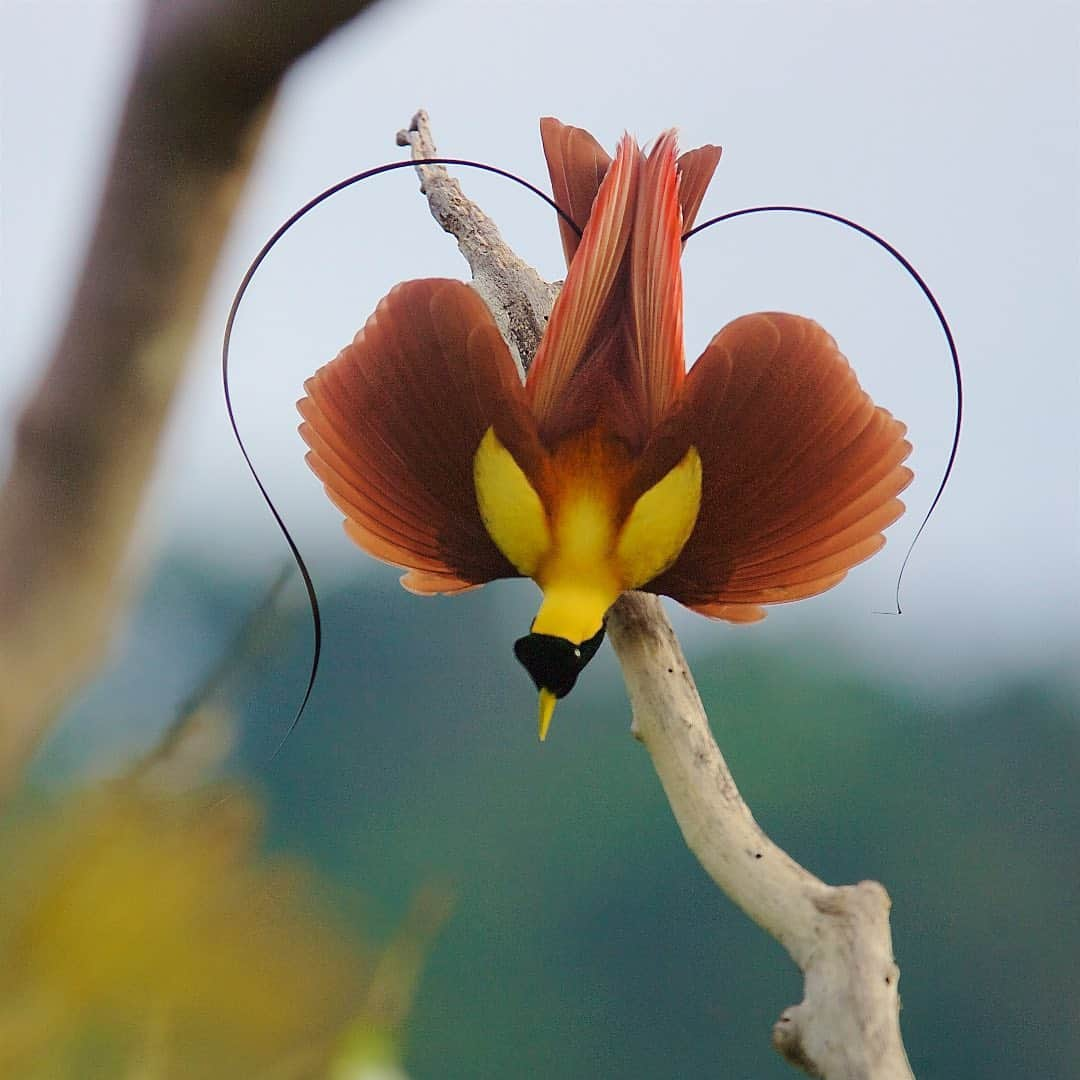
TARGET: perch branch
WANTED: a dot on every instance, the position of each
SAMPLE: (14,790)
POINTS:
(847,1025)
(203,82)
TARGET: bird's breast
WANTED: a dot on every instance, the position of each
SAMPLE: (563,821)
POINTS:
(580,575)
(574,529)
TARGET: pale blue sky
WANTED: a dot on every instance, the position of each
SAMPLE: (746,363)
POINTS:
(952,129)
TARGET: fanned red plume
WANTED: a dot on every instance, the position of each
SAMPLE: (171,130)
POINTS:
(801,471)
(577,164)
(656,293)
(613,351)
(394,422)
(587,334)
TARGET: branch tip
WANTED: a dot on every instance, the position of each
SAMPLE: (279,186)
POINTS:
(787,1042)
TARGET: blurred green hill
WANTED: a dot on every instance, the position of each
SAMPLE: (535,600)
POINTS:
(586,941)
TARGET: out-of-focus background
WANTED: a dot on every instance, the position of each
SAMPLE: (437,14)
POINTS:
(936,751)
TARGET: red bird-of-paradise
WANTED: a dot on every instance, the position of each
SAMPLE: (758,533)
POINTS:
(760,476)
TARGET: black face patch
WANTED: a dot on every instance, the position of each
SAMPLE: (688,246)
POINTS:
(553,662)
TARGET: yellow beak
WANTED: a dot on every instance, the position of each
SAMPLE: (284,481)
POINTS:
(547,707)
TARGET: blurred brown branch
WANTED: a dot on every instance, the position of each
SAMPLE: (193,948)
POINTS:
(203,82)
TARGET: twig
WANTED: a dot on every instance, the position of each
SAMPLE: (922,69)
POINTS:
(199,736)
(847,1026)
(397,974)
(517,295)
(85,443)
(235,652)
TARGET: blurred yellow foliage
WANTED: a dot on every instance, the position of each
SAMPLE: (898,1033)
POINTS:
(142,937)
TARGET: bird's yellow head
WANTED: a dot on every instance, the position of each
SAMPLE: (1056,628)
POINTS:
(554,665)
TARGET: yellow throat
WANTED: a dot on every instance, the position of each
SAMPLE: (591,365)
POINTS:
(574,542)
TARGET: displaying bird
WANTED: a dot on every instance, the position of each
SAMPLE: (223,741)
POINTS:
(760,476)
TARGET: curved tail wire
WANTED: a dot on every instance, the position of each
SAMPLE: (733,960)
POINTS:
(942,321)
(230,322)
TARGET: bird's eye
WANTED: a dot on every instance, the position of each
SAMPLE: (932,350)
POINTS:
(577,653)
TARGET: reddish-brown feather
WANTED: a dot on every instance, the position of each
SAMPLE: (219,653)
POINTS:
(800,471)
(696,168)
(736,613)
(584,365)
(577,163)
(613,351)
(871,461)
(426,584)
(394,421)
(656,294)
(387,521)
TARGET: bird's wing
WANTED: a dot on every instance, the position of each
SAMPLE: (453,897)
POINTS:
(394,423)
(800,471)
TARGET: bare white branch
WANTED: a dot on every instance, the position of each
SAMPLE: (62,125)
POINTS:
(517,295)
(847,1026)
